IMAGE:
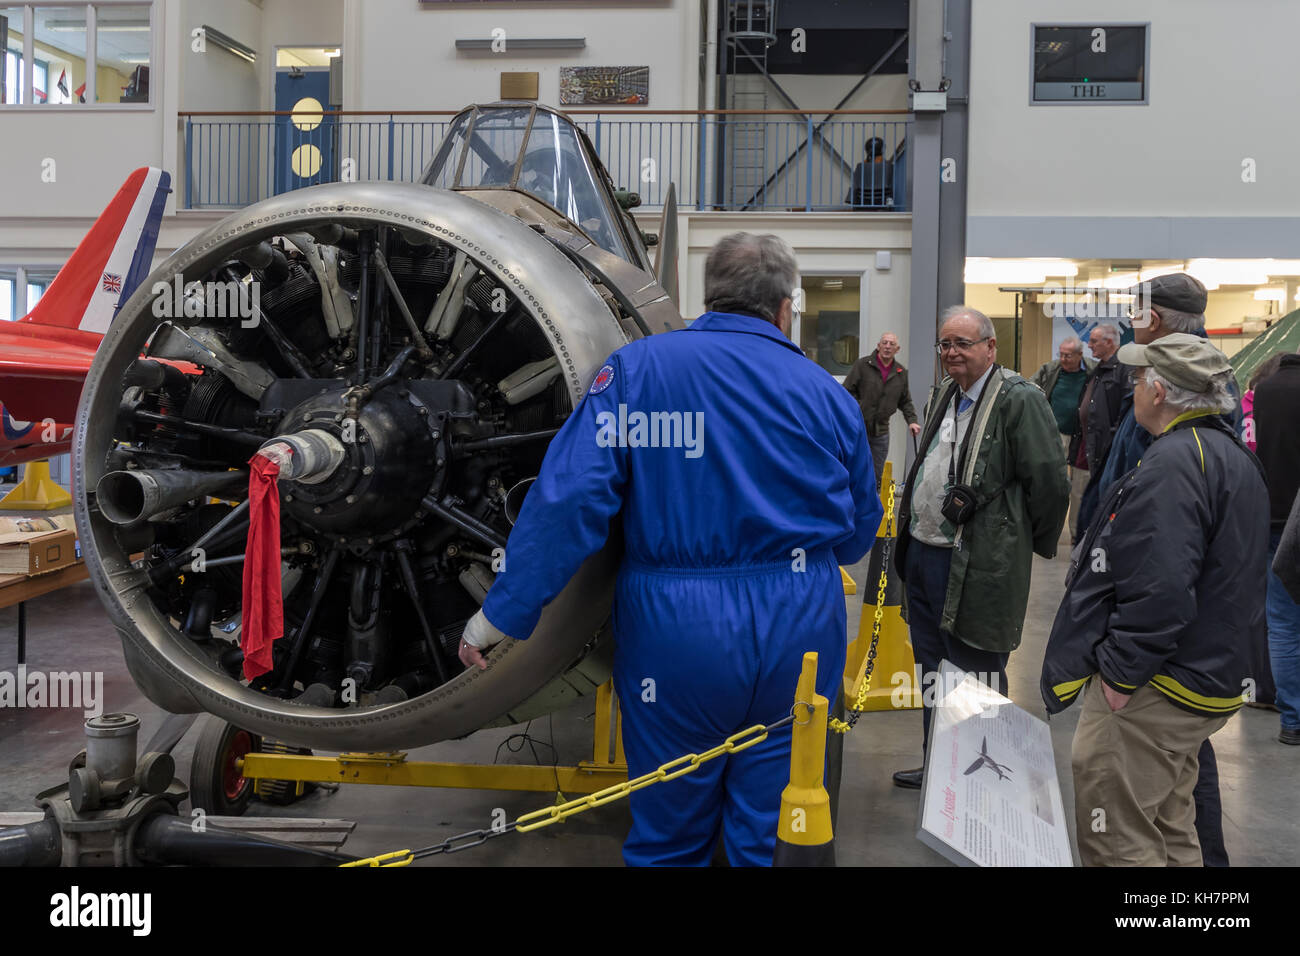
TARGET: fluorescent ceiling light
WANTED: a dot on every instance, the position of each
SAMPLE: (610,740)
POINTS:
(104,26)
(333,53)
(984,271)
(1218,272)
(1120,280)
(229,44)
(1154,271)
(1271,295)
(135,59)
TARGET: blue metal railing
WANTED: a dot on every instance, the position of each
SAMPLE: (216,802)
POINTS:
(732,161)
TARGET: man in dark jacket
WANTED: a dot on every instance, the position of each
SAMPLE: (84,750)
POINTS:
(1164,305)
(1104,394)
(1062,381)
(1277,443)
(1163,600)
(988,434)
(879,384)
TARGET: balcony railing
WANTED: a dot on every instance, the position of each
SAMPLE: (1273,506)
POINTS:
(723,159)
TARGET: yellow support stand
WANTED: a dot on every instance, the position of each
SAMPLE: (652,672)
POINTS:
(894,685)
(850,586)
(608,765)
(804,834)
(37,491)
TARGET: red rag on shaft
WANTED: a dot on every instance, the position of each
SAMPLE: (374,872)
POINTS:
(263,617)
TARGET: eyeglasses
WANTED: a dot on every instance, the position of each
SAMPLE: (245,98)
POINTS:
(962,345)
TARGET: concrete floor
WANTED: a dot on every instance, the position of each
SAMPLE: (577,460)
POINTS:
(877,822)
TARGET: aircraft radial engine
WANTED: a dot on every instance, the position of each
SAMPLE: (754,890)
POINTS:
(418,348)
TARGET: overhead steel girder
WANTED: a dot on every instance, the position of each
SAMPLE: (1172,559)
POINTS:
(875,67)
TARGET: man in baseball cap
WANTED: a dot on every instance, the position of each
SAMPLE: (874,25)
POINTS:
(1177,293)
(1189,363)
(1164,601)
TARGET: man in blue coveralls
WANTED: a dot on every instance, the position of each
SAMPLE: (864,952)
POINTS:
(743,474)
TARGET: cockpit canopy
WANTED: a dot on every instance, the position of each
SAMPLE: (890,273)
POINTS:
(539,152)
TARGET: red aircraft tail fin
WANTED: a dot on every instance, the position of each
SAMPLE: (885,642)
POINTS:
(111,261)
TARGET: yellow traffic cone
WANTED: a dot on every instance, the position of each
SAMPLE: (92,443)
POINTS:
(894,684)
(37,491)
(804,834)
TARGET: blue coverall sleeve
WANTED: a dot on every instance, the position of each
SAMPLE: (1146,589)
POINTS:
(867,509)
(566,515)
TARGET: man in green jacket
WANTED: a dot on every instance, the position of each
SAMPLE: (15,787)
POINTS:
(1062,381)
(990,440)
(879,383)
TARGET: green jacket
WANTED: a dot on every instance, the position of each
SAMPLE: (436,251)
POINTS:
(879,398)
(1018,469)
(1047,374)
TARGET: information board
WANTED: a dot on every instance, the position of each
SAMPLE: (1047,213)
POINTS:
(990,795)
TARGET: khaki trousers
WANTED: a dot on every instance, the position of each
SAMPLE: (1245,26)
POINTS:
(1078,482)
(1134,772)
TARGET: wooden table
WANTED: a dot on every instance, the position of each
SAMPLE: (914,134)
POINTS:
(21,588)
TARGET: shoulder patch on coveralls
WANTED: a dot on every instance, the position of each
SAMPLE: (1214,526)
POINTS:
(603,380)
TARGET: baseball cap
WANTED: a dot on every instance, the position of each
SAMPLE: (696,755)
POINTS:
(1177,290)
(1188,361)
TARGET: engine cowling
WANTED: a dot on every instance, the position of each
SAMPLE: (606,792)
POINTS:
(439,342)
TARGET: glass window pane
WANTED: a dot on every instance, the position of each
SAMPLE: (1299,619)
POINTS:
(442,169)
(557,171)
(122,51)
(60,44)
(829,327)
(494,146)
(11,42)
(6,300)
(34,292)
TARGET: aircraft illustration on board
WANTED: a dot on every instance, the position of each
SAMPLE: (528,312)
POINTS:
(986,761)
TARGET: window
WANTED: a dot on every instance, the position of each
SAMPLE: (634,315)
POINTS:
(78,53)
(122,52)
(59,53)
(34,292)
(6,300)
(831,321)
(11,42)
(1089,64)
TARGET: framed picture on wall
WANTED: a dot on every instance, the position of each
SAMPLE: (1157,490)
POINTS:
(604,85)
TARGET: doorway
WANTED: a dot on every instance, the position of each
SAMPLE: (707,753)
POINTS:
(305,140)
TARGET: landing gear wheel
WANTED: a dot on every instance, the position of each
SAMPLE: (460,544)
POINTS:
(216,784)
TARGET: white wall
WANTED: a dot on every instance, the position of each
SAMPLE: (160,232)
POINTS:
(399,56)
(1221,89)
(217,79)
(94,148)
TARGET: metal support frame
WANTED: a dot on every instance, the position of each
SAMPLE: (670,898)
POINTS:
(816,130)
(607,766)
(939,49)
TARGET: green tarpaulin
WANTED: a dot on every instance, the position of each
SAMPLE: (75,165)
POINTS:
(1282,336)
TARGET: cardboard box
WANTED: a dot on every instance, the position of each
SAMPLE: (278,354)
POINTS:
(37,553)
